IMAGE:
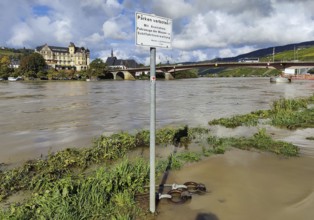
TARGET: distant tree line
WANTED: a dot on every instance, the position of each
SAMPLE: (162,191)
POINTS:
(33,66)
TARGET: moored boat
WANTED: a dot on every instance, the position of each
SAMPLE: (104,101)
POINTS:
(280,79)
(13,79)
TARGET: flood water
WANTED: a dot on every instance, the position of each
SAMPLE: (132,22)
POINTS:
(41,117)
(245,185)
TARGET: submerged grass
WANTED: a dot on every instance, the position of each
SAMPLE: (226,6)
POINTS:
(260,141)
(241,120)
(62,189)
(105,194)
(38,174)
(287,113)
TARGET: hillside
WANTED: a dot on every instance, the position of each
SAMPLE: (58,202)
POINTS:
(268,52)
(14,53)
(302,51)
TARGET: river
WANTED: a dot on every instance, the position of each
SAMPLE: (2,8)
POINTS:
(41,117)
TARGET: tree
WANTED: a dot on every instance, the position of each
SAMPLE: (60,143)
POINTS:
(33,63)
(98,64)
(42,74)
(97,67)
(5,69)
(5,60)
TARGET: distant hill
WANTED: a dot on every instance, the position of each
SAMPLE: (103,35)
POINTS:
(298,51)
(14,53)
(267,51)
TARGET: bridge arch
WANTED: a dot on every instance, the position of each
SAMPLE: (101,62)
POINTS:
(160,75)
(107,75)
(120,75)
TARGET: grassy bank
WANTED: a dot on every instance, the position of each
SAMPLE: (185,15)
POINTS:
(101,182)
(245,72)
(285,113)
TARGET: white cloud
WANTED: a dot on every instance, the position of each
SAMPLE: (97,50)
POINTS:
(21,34)
(172,9)
(199,55)
(117,28)
(94,38)
(63,33)
(202,29)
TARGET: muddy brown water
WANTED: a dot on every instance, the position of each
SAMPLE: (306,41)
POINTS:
(41,117)
(246,185)
(38,117)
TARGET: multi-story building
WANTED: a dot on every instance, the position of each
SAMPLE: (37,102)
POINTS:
(70,57)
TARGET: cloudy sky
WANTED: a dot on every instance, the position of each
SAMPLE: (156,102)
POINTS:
(202,29)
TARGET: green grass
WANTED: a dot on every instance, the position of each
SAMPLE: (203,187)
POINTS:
(287,113)
(17,53)
(250,119)
(260,141)
(247,72)
(41,173)
(6,53)
(105,194)
(101,183)
(301,54)
(294,120)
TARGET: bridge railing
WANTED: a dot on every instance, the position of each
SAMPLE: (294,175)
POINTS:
(277,65)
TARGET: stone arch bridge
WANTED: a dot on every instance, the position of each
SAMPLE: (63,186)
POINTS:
(168,72)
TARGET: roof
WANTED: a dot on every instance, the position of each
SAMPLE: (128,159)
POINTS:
(62,49)
(113,61)
(131,63)
(59,49)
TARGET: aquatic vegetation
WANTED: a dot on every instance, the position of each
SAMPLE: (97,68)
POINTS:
(39,174)
(241,120)
(63,186)
(260,141)
(189,156)
(293,113)
(289,104)
(310,138)
(288,113)
(107,193)
(174,163)
(294,120)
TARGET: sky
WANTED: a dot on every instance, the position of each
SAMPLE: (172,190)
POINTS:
(201,29)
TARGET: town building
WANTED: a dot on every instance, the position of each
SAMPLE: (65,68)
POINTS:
(115,63)
(71,57)
(14,63)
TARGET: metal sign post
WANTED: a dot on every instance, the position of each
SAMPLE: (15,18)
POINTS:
(152,31)
(152,188)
